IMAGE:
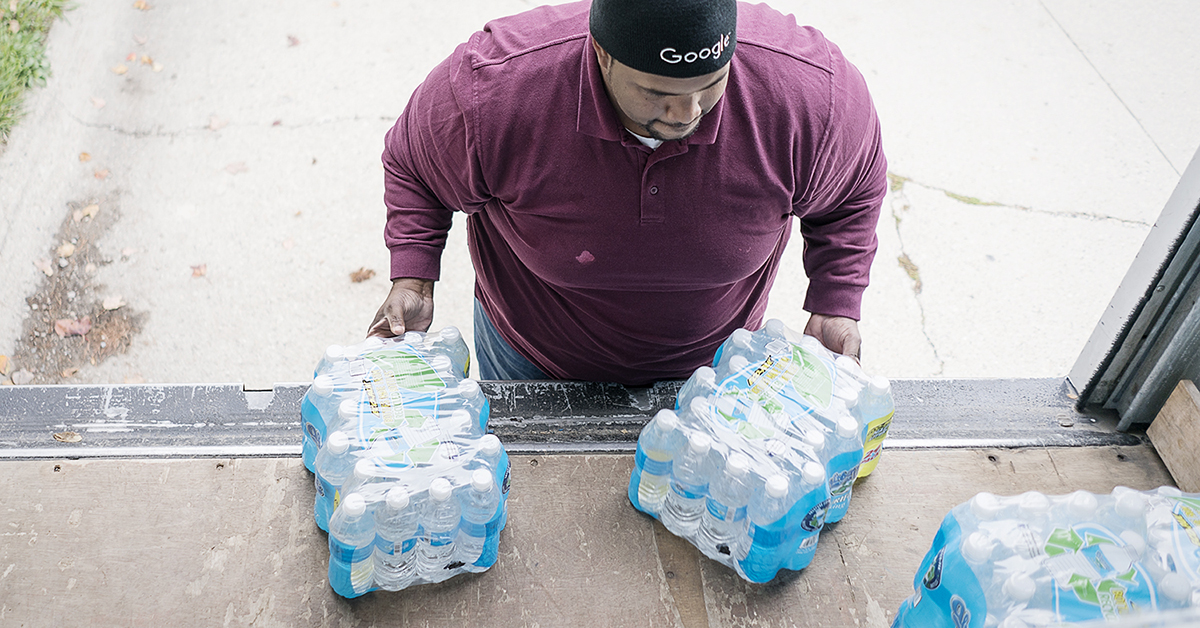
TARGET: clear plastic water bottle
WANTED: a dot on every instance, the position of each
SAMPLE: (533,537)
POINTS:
(449,342)
(876,408)
(701,384)
(318,403)
(396,523)
(480,506)
(689,486)
(333,354)
(439,527)
(812,495)
(493,458)
(658,445)
(334,464)
(469,396)
(351,546)
(723,522)
(845,456)
(767,530)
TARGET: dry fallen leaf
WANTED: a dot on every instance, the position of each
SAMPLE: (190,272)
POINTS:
(361,275)
(91,210)
(85,157)
(200,270)
(237,168)
(101,174)
(114,302)
(66,250)
(3,365)
(216,124)
(142,5)
(98,102)
(131,56)
(22,377)
(44,266)
(120,68)
(73,326)
(293,41)
(67,437)
(70,371)
(146,60)
(277,123)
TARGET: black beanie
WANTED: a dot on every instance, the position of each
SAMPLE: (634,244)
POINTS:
(676,38)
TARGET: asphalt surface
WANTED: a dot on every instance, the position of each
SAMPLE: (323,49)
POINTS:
(234,162)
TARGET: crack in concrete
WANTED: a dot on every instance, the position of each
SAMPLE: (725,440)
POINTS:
(899,204)
(971,200)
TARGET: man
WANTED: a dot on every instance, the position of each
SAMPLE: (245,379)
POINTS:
(630,184)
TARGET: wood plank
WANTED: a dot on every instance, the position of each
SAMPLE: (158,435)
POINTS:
(232,542)
(1175,434)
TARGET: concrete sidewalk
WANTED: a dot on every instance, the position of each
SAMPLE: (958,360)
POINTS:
(234,167)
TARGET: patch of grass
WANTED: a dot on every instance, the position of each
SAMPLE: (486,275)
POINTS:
(23,28)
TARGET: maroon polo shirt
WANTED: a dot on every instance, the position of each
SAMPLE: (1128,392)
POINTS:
(600,259)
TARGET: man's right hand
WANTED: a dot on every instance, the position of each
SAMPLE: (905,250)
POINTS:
(408,307)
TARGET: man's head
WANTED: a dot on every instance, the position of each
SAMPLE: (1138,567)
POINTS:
(665,62)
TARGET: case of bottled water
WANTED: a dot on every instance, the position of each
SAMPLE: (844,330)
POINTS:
(761,451)
(1031,560)
(409,485)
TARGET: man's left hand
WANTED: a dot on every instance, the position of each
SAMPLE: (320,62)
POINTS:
(838,333)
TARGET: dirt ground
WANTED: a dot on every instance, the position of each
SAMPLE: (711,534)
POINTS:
(69,324)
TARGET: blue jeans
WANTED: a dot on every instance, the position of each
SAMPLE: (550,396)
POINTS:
(498,360)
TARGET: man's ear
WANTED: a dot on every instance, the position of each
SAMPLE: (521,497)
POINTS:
(602,56)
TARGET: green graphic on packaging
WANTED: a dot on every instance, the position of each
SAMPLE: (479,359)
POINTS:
(1096,574)
(398,419)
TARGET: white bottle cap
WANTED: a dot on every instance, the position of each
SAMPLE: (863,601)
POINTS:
(1013,621)
(322,385)
(776,328)
(847,427)
(348,409)
(481,480)
(1082,504)
(814,439)
(489,444)
(706,376)
(1134,542)
(450,333)
(414,337)
(460,421)
(334,353)
(337,443)
(977,547)
(354,505)
(847,363)
(738,363)
(372,343)
(698,406)
(1033,505)
(879,385)
(666,420)
(1175,586)
(1160,538)
(1019,587)
(1130,505)
(777,486)
(364,468)
(985,506)
(440,489)
(741,338)
(397,498)
(468,388)
(738,464)
(699,443)
(812,473)
(441,363)
(1169,491)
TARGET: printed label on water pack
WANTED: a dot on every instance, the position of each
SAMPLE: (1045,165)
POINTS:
(1096,574)
(345,553)
(655,463)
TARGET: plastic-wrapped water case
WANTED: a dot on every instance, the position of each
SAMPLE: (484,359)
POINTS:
(1070,560)
(408,484)
(760,452)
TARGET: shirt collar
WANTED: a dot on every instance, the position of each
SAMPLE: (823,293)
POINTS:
(598,118)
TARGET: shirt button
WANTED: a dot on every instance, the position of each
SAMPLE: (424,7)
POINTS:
(654,189)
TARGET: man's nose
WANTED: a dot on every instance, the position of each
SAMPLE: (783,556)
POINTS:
(683,109)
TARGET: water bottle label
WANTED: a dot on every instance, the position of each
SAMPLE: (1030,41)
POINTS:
(440,539)
(652,464)
(391,547)
(814,519)
(721,512)
(504,486)
(320,485)
(349,553)
(471,528)
(878,429)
